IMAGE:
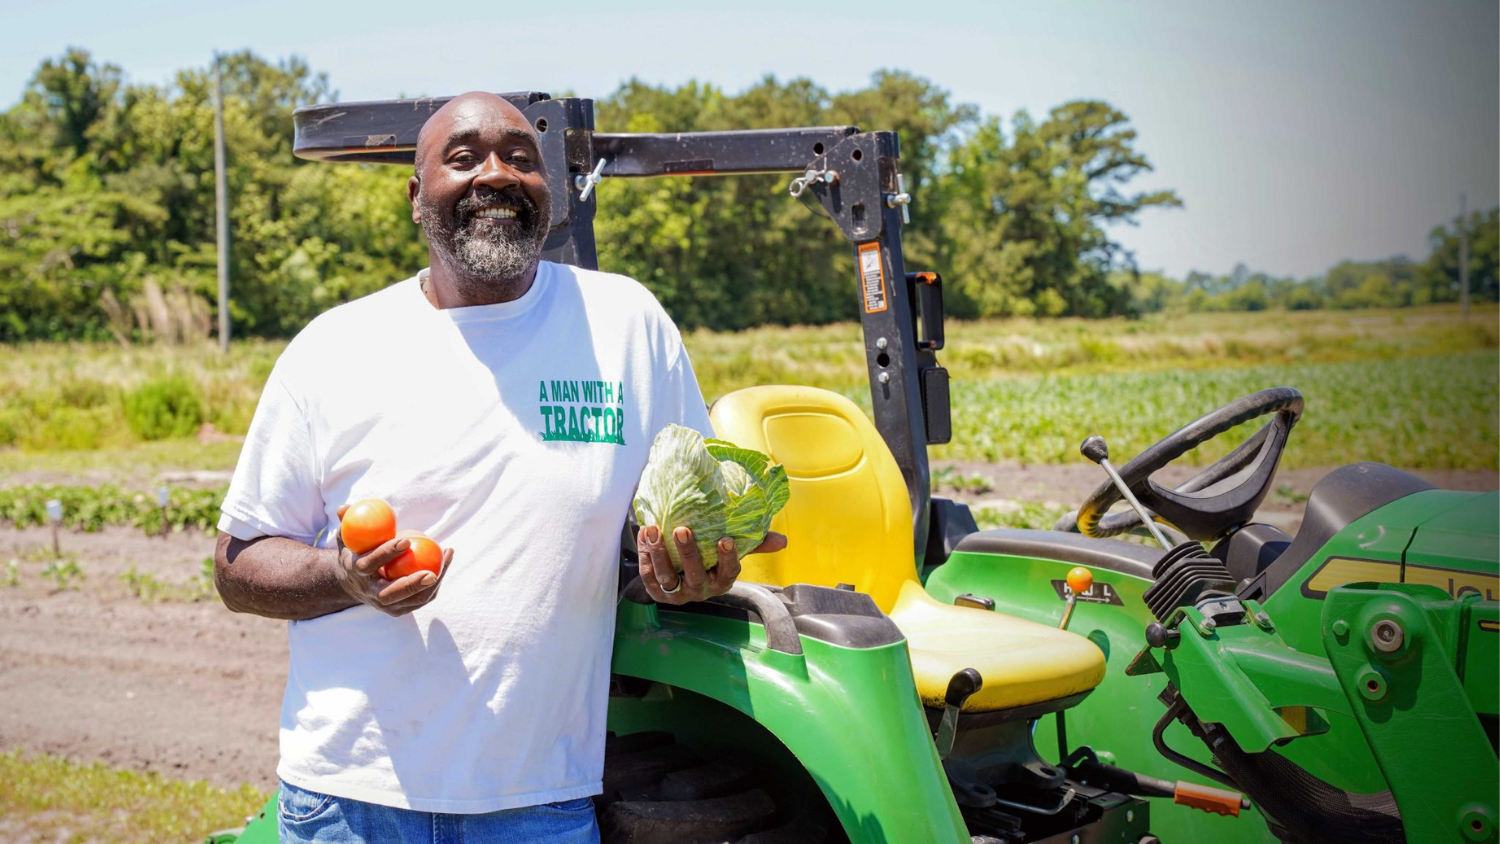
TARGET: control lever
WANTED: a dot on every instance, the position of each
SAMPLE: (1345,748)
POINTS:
(1080,580)
(963,686)
(1085,767)
(1095,449)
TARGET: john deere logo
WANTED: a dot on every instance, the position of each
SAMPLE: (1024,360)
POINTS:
(582,411)
(1337,571)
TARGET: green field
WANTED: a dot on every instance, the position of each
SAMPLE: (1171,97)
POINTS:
(1426,412)
(1416,388)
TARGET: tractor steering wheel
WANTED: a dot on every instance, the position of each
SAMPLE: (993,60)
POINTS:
(1213,502)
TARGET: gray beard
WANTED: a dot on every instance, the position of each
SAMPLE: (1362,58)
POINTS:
(486,267)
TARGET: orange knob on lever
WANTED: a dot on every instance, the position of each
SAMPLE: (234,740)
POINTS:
(1080,580)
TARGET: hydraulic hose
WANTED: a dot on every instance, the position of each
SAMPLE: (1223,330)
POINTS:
(1306,809)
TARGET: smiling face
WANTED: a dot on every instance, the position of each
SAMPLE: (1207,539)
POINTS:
(480,193)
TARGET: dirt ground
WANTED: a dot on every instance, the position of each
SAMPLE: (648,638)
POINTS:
(193,691)
(190,690)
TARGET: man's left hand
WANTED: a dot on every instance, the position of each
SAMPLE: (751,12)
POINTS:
(666,585)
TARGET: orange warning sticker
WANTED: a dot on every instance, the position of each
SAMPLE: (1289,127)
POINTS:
(872,278)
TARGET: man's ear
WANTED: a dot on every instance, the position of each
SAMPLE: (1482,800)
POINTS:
(413,191)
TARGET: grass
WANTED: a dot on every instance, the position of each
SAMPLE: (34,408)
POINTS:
(63,572)
(1426,412)
(1029,515)
(53,799)
(980,351)
(148,588)
(1413,387)
(137,463)
(71,397)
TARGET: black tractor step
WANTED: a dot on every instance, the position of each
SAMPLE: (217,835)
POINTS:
(716,819)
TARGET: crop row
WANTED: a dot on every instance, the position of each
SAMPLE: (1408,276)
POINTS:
(90,508)
(1421,413)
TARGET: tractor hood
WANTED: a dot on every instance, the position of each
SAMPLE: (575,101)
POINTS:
(1458,550)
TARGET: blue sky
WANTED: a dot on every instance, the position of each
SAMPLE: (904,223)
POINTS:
(1297,133)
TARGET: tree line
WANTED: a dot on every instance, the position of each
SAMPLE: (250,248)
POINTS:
(107,211)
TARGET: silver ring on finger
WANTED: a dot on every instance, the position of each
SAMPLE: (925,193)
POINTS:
(675,589)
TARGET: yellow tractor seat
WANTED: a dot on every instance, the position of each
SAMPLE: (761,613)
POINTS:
(849,521)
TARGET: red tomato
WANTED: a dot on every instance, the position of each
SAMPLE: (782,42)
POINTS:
(423,555)
(366,524)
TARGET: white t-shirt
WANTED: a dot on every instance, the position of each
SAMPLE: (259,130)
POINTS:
(513,433)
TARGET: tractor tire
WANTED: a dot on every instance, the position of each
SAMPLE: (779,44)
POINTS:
(657,791)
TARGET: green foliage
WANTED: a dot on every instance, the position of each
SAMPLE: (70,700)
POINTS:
(1027,515)
(59,800)
(142,585)
(1439,277)
(36,379)
(90,508)
(63,572)
(107,188)
(204,586)
(151,589)
(164,407)
(1350,285)
(76,397)
(1287,494)
(1428,412)
(1023,215)
(949,479)
(981,351)
(107,224)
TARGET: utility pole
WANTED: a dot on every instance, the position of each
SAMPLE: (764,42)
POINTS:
(221,199)
(1463,252)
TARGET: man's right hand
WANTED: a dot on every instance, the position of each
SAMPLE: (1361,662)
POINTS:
(359,576)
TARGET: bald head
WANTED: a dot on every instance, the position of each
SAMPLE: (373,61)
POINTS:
(475,111)
(480,193)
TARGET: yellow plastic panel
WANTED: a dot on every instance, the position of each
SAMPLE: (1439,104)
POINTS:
(848,520)
(817,445)
(1020,661)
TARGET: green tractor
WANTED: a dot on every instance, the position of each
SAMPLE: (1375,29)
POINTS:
(1345,679)
(897,675)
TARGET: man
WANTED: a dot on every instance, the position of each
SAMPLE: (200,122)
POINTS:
(504,406)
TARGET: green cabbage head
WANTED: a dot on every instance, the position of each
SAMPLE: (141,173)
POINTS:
(712,487)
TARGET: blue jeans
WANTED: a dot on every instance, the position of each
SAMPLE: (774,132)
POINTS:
(307,817)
